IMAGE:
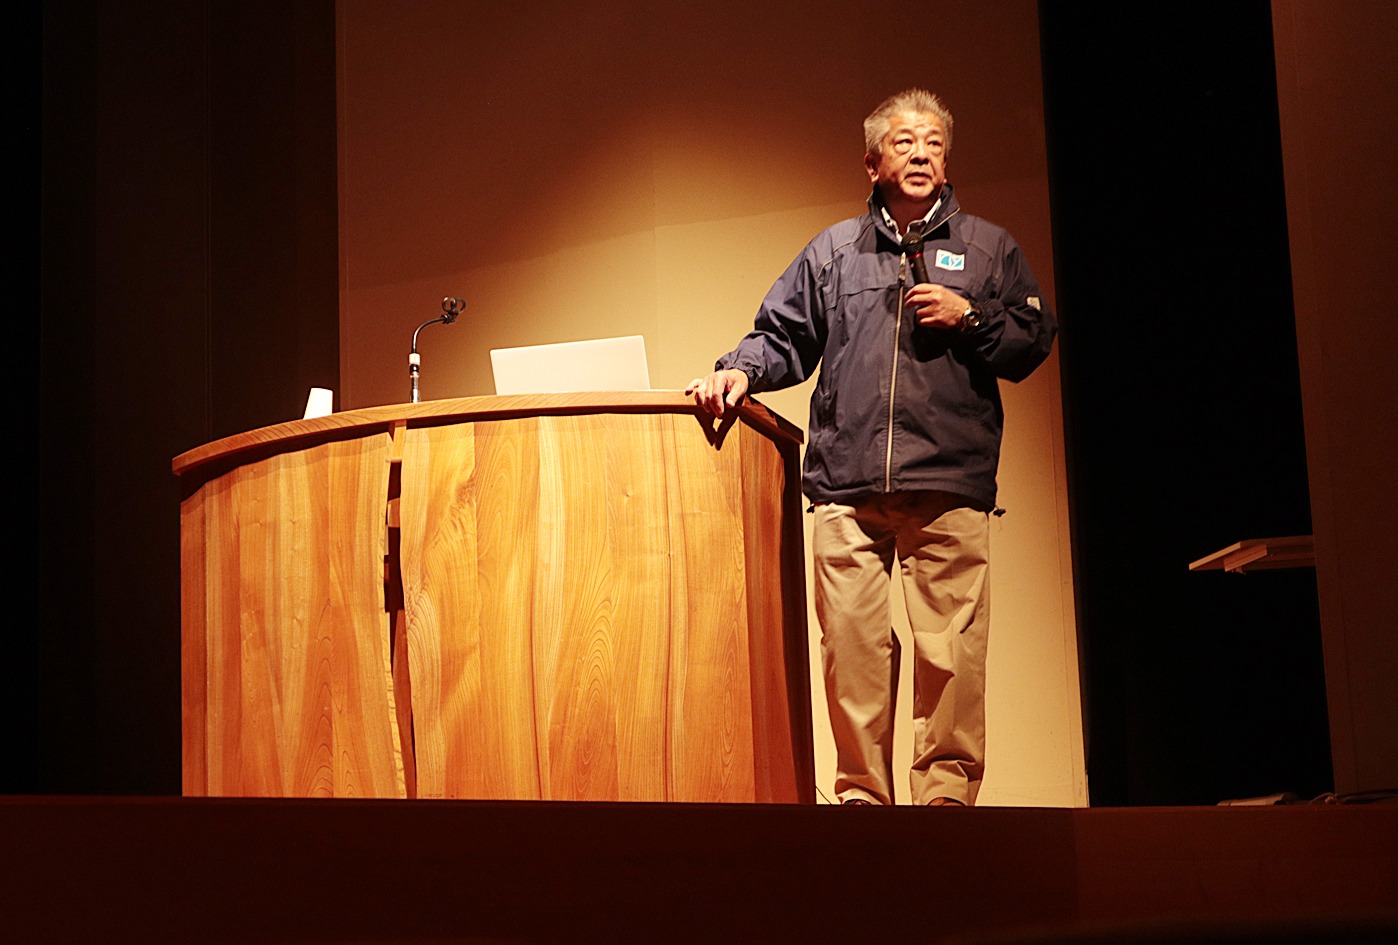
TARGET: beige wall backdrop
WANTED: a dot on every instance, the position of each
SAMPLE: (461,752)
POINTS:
(612,168)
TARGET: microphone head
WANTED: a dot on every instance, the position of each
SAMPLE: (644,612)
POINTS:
(452,307)
(913,239)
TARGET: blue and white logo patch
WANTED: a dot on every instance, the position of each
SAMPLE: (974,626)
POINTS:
(952,261)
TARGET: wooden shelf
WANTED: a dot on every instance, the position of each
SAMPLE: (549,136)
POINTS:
(1260,554)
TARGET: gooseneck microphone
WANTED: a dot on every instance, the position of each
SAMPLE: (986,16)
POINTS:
(451,307)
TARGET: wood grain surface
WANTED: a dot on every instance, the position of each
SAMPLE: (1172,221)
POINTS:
(286,674)
(577,616)
(374,419)
(595,603)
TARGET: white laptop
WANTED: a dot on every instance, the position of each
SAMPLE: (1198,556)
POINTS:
(600,364)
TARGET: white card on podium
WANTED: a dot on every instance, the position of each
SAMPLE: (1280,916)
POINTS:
(320,403)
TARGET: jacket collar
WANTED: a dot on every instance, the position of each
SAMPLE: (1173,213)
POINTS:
(945,211)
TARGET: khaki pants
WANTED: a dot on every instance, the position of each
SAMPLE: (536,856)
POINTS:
(942,547)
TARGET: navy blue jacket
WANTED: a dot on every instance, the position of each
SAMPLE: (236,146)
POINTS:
(897,406)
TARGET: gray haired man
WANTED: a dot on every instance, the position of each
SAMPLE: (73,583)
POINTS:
(914,311)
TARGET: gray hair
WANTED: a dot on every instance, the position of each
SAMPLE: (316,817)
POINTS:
(913,100)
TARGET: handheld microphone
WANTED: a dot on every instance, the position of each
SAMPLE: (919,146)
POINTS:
(912,246)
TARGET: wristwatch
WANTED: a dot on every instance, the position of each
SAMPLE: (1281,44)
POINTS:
(971,318)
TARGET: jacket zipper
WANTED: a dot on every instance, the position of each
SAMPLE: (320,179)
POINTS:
(893,375)
(893,371)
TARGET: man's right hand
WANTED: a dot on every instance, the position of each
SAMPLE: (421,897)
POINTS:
(719,391)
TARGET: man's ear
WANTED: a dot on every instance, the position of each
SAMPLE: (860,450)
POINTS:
(871,164)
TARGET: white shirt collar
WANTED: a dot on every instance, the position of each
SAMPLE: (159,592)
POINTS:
(893,225)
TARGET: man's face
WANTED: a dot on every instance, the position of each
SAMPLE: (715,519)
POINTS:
(912,166)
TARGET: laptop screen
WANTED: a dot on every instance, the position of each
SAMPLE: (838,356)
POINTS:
(597,365)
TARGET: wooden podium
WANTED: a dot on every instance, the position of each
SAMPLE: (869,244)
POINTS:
(558,597)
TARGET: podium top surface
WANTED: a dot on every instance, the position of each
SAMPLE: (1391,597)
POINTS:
(466,409)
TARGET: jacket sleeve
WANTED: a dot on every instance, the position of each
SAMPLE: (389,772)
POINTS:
(1017,329)
(788,335)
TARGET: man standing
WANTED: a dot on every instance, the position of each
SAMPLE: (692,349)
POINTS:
(914,311)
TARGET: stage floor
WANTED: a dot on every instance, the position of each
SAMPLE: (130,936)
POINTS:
(282,871)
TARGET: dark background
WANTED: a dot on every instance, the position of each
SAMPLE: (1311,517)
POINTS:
(188,258)
(188,245)
(1182,403)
